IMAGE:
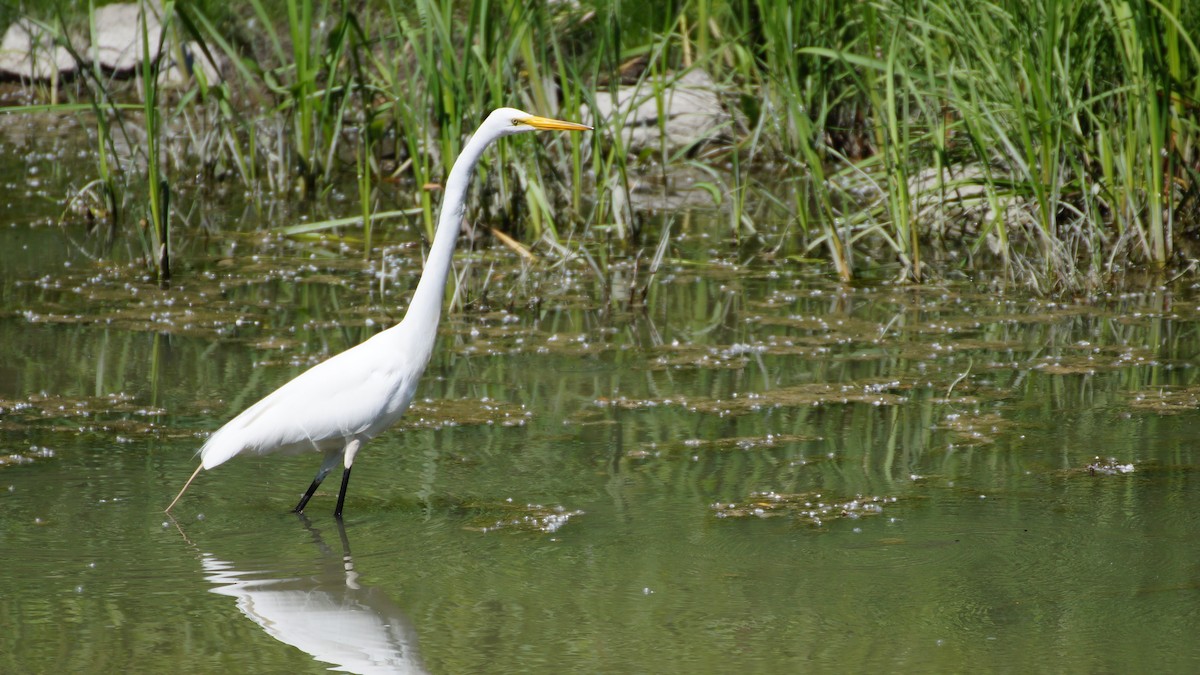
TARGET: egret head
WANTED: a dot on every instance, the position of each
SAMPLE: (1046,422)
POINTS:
(509,121)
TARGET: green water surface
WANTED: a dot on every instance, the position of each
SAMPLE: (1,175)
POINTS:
(592,485)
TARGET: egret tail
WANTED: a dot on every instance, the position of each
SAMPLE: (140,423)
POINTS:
(185,487)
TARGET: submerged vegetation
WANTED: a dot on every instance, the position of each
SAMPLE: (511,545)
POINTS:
(1051,143)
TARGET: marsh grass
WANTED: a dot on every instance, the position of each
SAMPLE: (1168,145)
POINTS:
(1053,141)
(1060,107)
(158,186)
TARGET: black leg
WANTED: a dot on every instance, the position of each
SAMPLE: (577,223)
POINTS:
(311,489)
(342,495)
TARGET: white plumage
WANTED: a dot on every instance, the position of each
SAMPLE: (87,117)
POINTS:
(356,394)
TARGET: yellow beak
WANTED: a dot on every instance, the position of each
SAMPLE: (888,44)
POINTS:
(552,125)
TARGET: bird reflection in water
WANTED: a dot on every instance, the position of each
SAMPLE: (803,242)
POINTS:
(328,615)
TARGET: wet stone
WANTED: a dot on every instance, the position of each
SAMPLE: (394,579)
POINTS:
(1108,466)
(810,508)
(430,414)
(742,443)
(975,427)
(1166,400)
(512,517)
(869,391)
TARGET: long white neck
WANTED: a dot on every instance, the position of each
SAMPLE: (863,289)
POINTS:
(426,306)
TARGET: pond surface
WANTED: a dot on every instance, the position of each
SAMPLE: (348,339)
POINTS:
(756,469)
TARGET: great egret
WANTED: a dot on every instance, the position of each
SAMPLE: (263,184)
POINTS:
(338,405)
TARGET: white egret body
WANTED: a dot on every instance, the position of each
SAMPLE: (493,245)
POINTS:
(341,403)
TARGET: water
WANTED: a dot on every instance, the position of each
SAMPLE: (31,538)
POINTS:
(757,470)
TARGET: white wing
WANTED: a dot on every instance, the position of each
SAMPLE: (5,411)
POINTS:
(357,393)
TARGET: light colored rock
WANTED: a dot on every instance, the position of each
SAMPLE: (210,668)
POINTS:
(188,62)
(691,112)
(117,40)
(958,201)
(28,52)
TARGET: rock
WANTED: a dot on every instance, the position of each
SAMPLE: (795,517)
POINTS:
(117,40)
(28,52)
(189,61)
(955,202)
(692,113)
